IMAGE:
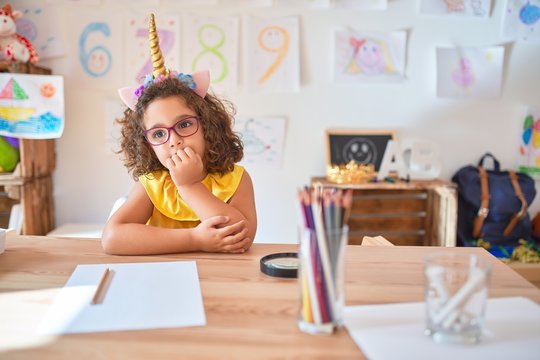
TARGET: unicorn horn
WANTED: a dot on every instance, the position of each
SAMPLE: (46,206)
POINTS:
(158,63)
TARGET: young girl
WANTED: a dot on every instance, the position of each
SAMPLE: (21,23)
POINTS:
(178,143)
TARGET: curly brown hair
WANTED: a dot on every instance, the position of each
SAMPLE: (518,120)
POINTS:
(223,147)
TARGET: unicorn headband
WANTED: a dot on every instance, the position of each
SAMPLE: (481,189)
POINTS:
(198,82)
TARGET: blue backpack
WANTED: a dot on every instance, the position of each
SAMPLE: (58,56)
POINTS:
(493,204)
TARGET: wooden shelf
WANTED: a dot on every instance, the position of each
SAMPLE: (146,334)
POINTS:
(30,184)
(406,213)
(22,68)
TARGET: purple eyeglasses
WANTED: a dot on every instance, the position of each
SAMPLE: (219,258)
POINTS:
(184,128)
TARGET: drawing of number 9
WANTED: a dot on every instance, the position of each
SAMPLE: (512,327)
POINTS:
(273,39)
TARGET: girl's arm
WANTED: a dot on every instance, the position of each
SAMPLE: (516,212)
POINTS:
(187,171)
(126,232)
(240,207)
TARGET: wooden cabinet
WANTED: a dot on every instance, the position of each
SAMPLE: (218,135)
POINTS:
(30,184)
(406,213)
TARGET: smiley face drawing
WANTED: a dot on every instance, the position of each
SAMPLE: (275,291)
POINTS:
(361,150)
(47,90)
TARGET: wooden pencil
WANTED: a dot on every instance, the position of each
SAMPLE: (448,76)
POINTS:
(100,287)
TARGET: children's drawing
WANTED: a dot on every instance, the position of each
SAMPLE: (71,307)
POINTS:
(97,60)
(469,72)
(247,2)
(136,45)
(42,26)
(263,140)
(320,4)
(85,2)
(469,8)
(98,38)
(529,147)
(361,4)
(369,56)
(464,75)
(31,106)
(211,44)
(521,20)
(273,55)
(190,2)
(267,40)
(455,5)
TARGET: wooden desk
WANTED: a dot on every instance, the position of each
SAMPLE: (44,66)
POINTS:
(249,315)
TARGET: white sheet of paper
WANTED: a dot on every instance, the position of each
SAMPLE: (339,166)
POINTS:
(139,296)
(263,138)
(273,54)
(320,4)
(395,331)
(42,25)
(521,20)
(470,8)
(474,73)
(211,43)
(31,106)
(98,38)
(529,144)
(137,61)
(361,4)
(369,56)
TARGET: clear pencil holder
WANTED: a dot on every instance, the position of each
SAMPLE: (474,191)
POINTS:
(457,287)
(321,258)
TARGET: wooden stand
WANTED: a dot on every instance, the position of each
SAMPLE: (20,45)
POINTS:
(406,213)
(31,182)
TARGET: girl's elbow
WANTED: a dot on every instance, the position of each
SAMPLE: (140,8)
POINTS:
(108,242)
(251,236)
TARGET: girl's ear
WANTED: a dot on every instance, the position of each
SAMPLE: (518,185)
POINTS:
(127,94)
(202,80)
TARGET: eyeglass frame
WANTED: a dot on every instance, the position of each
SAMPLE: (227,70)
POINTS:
(196,117)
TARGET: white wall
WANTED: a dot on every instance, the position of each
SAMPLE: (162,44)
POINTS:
(87,180)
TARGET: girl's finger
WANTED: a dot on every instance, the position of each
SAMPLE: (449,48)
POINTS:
(217,220)
(176,159)
(239,246)
(235,236)
(190,152)
(233,228)
(239,251)
(182,155)
(169,163)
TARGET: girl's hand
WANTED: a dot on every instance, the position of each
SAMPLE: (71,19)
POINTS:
(186,167)
(230,238)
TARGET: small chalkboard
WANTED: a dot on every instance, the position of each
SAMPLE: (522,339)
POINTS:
(364,147)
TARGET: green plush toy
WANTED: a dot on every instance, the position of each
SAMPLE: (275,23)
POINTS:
(9,156)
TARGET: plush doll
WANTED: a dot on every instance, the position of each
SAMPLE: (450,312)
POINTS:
(9,155)
(13,46)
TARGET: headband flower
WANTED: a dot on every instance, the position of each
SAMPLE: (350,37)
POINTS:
(198,82)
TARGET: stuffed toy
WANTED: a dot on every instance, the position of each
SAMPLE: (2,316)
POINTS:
(13,46)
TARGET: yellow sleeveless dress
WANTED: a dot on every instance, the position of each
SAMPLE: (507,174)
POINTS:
(170,211)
